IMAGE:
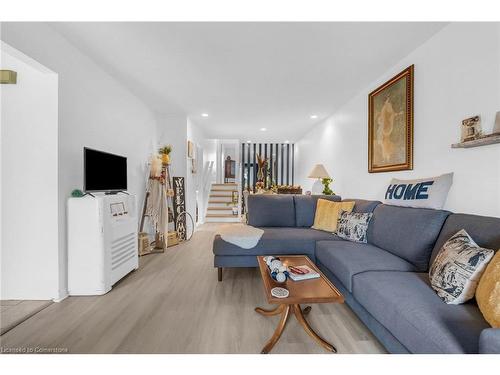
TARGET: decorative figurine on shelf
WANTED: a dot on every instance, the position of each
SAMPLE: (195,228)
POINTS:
(326,186)
(278,271)
(165,154)
(471,129)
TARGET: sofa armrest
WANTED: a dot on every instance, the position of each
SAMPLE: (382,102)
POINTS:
(489,341)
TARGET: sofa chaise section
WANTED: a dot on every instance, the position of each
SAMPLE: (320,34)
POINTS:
(286,220)
(274,241)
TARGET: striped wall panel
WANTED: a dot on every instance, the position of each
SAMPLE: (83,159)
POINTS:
(280,166)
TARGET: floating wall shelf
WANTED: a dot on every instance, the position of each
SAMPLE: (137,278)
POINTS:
(489,140)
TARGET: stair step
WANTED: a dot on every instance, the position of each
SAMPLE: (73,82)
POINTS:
(226,184)
(216,201)
(220,208)
(234,219)
(222,215)
(225,190)
(220,196)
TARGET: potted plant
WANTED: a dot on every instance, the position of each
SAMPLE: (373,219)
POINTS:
(165,153)
(262,163)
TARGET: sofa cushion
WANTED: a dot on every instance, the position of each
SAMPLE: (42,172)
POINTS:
(362,205)
(483,229)
(305,208)
(405,304)
(489,341)
(346,259)
(409,233)
(276,241)
(276,210)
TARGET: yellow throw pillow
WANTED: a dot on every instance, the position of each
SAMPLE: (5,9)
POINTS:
(327,214)
(488,292)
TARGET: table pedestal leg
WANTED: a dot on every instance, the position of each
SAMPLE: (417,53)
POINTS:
(276,311)
(300,317)
(306,310)
(285,311)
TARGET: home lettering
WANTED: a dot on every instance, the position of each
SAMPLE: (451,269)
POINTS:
(409,191)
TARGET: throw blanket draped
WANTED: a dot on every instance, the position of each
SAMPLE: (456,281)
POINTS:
(242,235)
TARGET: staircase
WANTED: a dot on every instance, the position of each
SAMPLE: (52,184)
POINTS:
(220,206)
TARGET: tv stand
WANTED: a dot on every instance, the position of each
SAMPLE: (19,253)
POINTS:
(115,192)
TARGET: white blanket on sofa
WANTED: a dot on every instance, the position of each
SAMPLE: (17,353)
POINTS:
(242,235)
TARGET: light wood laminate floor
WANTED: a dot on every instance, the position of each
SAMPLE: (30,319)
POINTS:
(174,304)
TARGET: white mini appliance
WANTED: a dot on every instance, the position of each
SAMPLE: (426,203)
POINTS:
(102,242)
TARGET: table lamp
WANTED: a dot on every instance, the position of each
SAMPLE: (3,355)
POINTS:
(319,172)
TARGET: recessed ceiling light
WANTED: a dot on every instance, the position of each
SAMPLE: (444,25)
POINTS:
(287,141)
(204,115)
(314,117)
(249,141)
(263,129)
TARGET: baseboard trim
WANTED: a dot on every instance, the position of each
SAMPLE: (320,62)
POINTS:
(62,296)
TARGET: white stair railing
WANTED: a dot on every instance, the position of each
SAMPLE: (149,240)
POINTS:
(208,172)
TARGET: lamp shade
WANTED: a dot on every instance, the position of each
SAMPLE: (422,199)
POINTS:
(319,171)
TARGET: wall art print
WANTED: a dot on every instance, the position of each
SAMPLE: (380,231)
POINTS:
(390,124)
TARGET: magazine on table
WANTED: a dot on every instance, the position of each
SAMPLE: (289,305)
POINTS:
(298,273)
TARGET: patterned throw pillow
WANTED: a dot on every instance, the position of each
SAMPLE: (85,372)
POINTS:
(352,226)
(455,272)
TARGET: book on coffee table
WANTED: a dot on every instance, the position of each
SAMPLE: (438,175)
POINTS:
(303,272)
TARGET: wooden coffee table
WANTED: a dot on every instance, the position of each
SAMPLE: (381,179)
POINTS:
(319,290)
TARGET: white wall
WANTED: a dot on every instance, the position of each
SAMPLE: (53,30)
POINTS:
(176,130)
(172,130)
(94,110)
(457,75)
(29,169)
(210,155)
(194,188)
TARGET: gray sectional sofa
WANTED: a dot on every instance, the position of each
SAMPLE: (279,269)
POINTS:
(385,282)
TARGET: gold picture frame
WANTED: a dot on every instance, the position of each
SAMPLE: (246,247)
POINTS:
(390,124)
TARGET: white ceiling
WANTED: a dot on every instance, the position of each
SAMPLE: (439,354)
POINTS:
(247,75)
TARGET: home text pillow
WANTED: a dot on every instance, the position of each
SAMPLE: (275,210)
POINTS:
(488,292)
(455,272)
(422,193)
(352,226)
(327,214)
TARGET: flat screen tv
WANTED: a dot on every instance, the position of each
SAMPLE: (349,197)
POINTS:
(103,171)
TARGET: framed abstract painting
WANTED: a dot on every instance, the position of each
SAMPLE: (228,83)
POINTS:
(390,124)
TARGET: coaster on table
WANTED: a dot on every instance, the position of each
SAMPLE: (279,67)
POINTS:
(280,292)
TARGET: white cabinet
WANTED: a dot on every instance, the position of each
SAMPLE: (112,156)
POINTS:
(102,242)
